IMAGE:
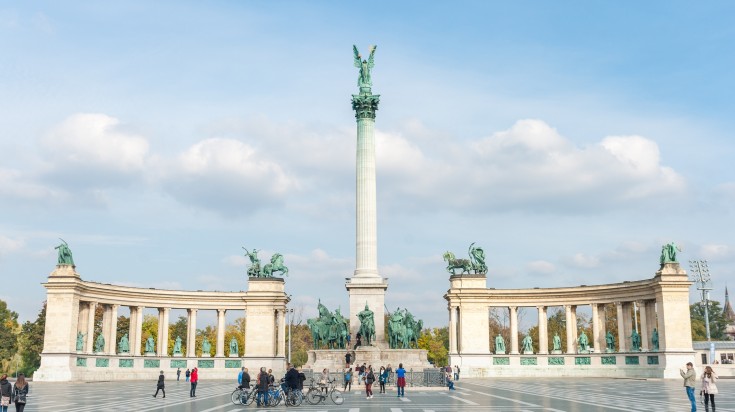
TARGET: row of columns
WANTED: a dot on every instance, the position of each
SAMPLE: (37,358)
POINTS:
(648,321)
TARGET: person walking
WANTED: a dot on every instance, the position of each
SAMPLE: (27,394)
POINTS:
(178,374)
(709,389)
(160,386)
(401,380)
(689,377)
(262,386)
(194,379)
(6,391)
(382,379)
(20,393)
(348,379)
(188,373)
(369,379)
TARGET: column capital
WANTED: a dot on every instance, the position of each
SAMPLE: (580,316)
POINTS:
(365,105)
(221,311)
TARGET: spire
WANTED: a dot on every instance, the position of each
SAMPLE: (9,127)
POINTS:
(727,310)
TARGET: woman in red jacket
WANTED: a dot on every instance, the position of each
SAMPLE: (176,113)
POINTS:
(194,380)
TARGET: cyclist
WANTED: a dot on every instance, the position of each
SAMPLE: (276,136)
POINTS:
(243,379)
(291,379)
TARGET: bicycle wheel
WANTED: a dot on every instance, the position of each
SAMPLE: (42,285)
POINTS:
(295,398)
(250,398)
(314,396)
(235,397)
(274,398)
(337,397)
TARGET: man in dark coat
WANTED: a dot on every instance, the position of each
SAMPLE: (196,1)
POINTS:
(262,385)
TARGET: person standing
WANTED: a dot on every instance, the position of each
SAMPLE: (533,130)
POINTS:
(6,391)
(709,389)
(456,372)
(245,382)
(401,380)
(369,379)
(178,374)
(239,377)
(194,379)
(348,359)
(689,377)
(348,379)
(292,378)
(188,373)
(382,379)
(349,339)
(262,385)
(160,386)
(20,393)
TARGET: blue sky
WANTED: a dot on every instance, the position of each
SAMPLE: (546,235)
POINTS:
(569,139)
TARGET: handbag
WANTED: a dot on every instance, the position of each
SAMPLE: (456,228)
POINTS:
(5,401)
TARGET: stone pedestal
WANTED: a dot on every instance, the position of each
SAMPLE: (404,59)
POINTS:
(232,355)
(528,352)
(150,354)
(370,290)
(334,359)
(179,355)
(556,352)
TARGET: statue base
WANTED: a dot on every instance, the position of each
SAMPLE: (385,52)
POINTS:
(556,352)
(500,352)
(609,351)
(583,352)
(150,354)
(233,355)
(334,359)
(125,353)
(528,352)
(205,355)
(178,355)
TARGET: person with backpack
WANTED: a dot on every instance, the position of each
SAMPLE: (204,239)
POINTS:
(160,386)
(20,392)
(369,379)
(6,391)
(348,379)
(261,383)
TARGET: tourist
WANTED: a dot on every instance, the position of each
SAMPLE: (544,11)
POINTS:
(160,386)
(348,358)
(188,373)
(389,371)
(271,378)
(302,378)
(450,383)
(20,392)
(689,377)
(178,374)
(348,379)
(194,379)
(324,380)
(262,384)
(709,389)
(456,372)
(358,341)
(349,339)
(363,368)
(401,380)
(245,381)
(6,390)
(291,379)
(382,379)
(369,379)
(239,377)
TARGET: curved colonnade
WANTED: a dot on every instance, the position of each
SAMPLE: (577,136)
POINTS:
(71,305)
(663,304)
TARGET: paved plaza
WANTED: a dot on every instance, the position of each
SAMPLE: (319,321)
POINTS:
(531,395)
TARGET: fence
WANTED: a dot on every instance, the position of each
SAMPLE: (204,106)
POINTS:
(426,377)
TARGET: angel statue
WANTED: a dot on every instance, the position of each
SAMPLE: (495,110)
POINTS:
(364,81)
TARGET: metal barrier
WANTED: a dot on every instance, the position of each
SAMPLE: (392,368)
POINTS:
(426,377)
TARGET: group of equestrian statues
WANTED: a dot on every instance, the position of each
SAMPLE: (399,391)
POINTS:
(403,330)
(329,330)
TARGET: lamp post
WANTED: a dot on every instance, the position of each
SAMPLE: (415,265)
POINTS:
(700,269)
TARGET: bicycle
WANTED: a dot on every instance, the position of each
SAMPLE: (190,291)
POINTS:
(289,397)
(319,393)
(243,396)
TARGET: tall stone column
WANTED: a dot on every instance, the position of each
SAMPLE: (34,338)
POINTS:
(366,287)
(192,333)
(622,343)
(111,337)
(452,330)
(220,333)
(570,326)
(106,315)
(90,327)
(645,337)
(543,331)
(83,319)
(137,347)
(163,337)
(513,329)
(628,323)
(596,334)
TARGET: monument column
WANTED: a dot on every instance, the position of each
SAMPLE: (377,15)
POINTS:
(513,330)
(622,347)
(366,286)
(570,326)
(111,338)
(138,331)
(220,333)
(543,331)
(192,333)
(452,330)
(596,336)
(90,327)
(642,314)
(163,337)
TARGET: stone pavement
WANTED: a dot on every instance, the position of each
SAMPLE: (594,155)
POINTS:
(522,395)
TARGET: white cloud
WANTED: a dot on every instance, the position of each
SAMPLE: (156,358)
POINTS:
(9,245)
(541,267)
(716,252)
(15,185)
(585,261)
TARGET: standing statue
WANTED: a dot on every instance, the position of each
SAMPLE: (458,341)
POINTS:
(150,345)
(65,257)
(668,253)
(396,330)
(636,341)
(124,345)
(99,344)
(654,340)
(610,342)
(364,81)
(177,346)
(233,347)
(367,324)
(527,345)
(80,341)
(556,341)
(477,256)
(584,343)
(206,346)
(499,344)
(254,269)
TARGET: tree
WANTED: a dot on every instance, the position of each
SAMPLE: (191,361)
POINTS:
(31,343)
(436,343)
(717,321)
(8,334)
(150,328)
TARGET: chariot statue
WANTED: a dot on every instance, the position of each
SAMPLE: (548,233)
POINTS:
(474,265)
(269,269)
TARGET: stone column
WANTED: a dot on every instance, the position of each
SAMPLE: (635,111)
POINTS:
(645,337)
(628,323)
(137,346)
(192,333)
(106,321)
(132,329)
(111,338)
(651,321)
(571,326)
(452,330)
(596,338)
(221,333)
(622,345)
(164,314)
(82,321)
(90,327)
(543,331)
(281,338)
(513,330)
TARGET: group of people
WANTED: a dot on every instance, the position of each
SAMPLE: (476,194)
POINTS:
(13,393)
(191,377)
(367,376)
(293,380)
(708,386)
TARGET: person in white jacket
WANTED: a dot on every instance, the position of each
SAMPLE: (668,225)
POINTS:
(709,389)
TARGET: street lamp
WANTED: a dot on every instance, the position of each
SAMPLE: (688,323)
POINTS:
(700,269)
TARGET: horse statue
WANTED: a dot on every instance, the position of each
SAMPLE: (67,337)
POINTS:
(416,333)
(276,265)
(317,331)
(453,263)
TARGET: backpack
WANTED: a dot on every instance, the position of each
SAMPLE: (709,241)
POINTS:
(370,378)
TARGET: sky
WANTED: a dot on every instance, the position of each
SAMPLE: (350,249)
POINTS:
(570,140)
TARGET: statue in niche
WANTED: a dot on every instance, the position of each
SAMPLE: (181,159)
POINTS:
(206,346)
(99,344)
(233,346)
(527,344)
(636,341)
(610,342)
(584,343)
(65,257)
(177,346)
(654,339)
(367,324)
(124,345)
(150,345)
(556,341)
(499,344)
(80,341)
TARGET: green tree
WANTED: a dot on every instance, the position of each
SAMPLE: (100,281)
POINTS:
(717,321)
(436,342)
(8,334)
(31,343)
(123,327)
